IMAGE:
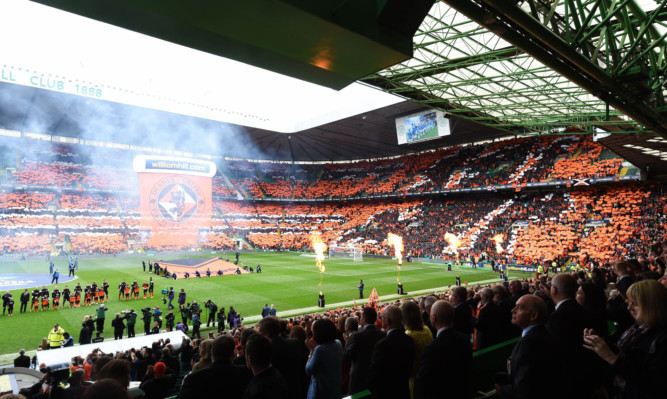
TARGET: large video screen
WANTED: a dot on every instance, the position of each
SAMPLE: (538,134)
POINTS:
(422,126)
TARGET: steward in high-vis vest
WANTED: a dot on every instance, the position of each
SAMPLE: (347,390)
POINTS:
(55,336)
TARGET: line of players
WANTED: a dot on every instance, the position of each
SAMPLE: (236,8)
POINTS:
(91,294)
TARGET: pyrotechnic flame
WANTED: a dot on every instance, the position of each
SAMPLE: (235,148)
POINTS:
(454,242)
(319,247)
(396,242)
(499,238)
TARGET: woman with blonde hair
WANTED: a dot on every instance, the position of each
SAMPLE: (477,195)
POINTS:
(639,365)
(204,355)
(422,336)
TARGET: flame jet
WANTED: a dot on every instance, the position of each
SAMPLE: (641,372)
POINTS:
(319,247)
(396,242)
(499,239)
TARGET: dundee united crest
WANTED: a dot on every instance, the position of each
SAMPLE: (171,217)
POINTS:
(176,199)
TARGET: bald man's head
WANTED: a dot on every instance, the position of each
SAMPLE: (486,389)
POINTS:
(442,314)
(392,317)
(563,286)
(529,310)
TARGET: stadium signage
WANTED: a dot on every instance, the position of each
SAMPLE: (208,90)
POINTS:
(530,269)
(27,78)
(157,164)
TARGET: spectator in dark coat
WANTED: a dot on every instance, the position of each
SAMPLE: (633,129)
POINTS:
(267,382)
(22,360)
(221,376)
(487,321)
(446,363)
(389,374)
(359,349)
(566,325)
(462,311)
(288,356)
(86,334)
(640,364)
(535,361)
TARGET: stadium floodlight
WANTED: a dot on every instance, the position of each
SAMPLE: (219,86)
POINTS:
(353,253)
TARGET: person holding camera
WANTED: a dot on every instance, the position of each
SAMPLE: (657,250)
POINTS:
(196,322)
(181,297)
(212,312)
(131,317)
(185,313)
(146,318)
(169,317)
(221,320)
(101,315)
(157,316)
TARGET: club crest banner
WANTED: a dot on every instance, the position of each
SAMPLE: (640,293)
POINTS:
(176,200)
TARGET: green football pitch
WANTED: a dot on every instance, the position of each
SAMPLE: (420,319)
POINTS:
(290,281)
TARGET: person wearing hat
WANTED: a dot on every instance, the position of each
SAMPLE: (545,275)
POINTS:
(159,379)
(55,337)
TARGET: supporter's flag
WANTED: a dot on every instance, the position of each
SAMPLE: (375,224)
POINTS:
(373,298)
(176,200)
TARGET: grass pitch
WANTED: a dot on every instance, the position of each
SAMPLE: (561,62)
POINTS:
(290,281)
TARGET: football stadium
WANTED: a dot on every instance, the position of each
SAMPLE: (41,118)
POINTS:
(372,199)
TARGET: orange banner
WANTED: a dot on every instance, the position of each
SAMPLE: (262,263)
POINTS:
(174,207)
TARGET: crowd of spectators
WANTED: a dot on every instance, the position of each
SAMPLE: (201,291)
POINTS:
(600,333)
(516,161)
(528,223)
(589,224)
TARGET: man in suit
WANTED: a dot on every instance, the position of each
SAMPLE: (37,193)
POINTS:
(289,356)
(617,309)
(462,311)
(267,382)
(221,376)
(22,360)
(446,363)
(392,359)
(488,321)
(566,324)
(425,306)
(359,350)
(516,291)
(535,364)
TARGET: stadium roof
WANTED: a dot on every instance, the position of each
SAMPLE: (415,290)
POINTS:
(525,67)
(540,66)
(368,135)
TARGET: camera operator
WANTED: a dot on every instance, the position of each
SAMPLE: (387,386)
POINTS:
(146,318)
(157,316)
(212,312)
(131,317)
(169,317)
(101,315)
